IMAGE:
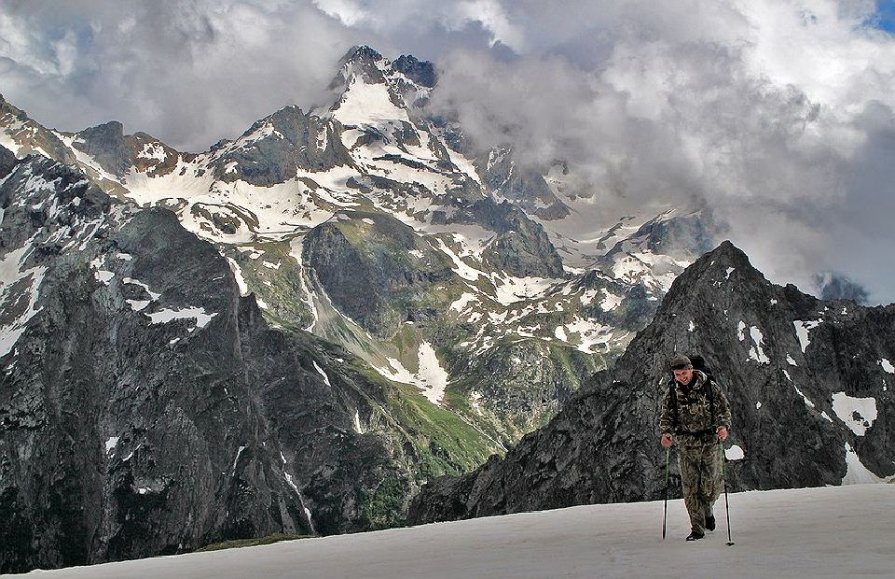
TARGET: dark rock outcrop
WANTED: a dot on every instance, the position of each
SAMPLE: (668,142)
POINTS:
(810,383)
(421,72)
(275,147)
(7,161)
(106,144)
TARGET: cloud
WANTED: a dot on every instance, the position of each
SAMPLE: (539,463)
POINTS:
(777,113)
(188,72)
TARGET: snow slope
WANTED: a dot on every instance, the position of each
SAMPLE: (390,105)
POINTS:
(820,532)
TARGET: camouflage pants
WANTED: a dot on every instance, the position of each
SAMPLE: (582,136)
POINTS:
(700,465)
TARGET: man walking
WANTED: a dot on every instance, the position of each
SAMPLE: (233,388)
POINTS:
(695,415)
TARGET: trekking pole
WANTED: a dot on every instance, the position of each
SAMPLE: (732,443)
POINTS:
(726,502)
(665,515)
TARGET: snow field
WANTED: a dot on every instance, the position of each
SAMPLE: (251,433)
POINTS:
(820,532)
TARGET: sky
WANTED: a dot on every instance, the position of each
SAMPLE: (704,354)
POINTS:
(838,532)
(777,113)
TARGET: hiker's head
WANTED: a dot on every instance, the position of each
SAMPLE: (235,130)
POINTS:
(682,368)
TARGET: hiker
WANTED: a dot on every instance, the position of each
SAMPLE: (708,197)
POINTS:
(696,415)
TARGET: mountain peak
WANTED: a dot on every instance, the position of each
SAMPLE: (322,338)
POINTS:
(419,71)
(361,53)
(722,260)
(363,62)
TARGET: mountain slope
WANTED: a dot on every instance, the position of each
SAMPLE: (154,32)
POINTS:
(147,408)
(810,384)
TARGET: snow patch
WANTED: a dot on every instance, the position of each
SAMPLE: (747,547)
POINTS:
(461,268)
(169,315)
(856,473)
(460,304)
(111,443)
(610,301)
(515,289)
(15,284)
(803,330)
(887,366)
(826,532)
(357,427)
(236,460)
(237,273)
(755,352)
(431,378)
(431,373)
(857,413)
(322,373)
(808,402)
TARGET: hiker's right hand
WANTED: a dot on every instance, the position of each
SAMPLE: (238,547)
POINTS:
(666,441)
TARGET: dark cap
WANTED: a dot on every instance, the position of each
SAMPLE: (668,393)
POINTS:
(680,362)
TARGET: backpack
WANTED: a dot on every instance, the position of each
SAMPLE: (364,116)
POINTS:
(698,364)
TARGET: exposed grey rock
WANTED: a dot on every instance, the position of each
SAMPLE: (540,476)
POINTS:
(7,161)
(524,186)
(679,235)
(521,248)
(274,148)
(421,72)
(360,60)
(603,446)
(125,437)
(519,385)
(105,143)
(30,136)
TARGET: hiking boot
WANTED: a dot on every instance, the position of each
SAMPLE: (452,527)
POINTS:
(710,523)
(694,536)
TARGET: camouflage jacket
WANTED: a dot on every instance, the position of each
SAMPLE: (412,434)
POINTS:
(694,417)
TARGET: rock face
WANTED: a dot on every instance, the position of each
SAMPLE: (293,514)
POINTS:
(810,384)
(524,186)
(147,408)
(376,270)
(274,148)
(106,144)
(128,425)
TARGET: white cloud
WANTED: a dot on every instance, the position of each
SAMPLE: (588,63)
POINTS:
(778,112)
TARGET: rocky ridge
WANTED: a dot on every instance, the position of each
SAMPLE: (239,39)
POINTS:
(810,383)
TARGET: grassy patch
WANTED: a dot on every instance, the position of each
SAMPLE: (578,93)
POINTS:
(236,543)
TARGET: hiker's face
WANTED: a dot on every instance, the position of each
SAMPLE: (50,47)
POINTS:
(683,376)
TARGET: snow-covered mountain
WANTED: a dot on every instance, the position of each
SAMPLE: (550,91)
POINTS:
(823,532)
(363,223)
(293,330)
(810,384)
